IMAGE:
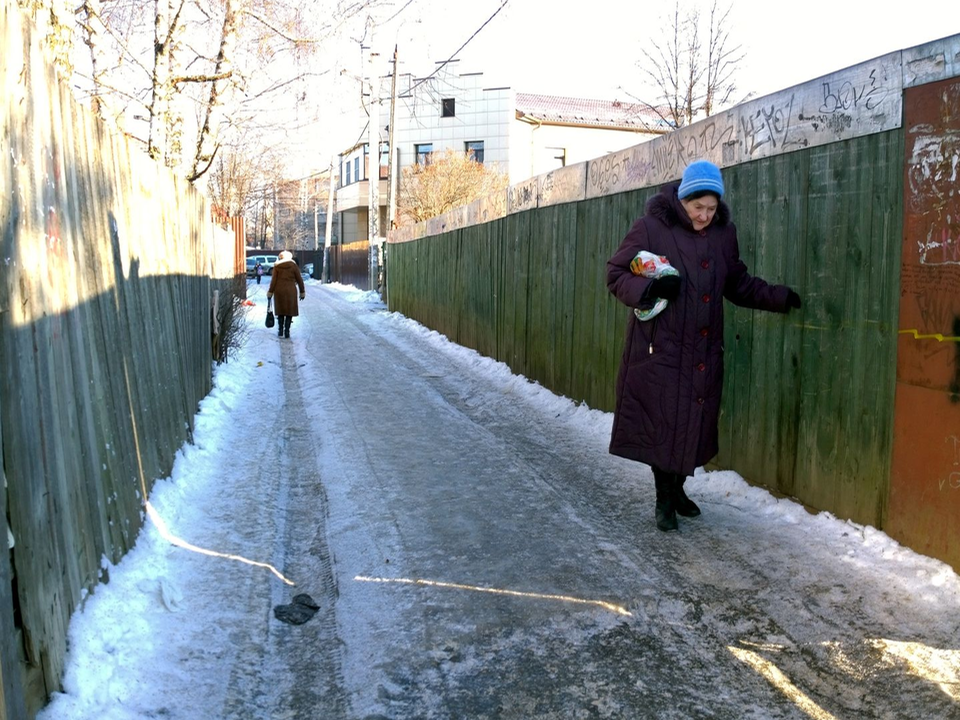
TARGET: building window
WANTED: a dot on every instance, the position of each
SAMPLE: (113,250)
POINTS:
(424,151)
(448,107)
(474,150)
(347,180)
(384,160)
(356,169)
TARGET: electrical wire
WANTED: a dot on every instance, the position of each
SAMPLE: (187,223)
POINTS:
(397,13)
(440,65)
(450,59)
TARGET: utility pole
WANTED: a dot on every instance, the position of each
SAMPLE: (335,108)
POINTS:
(316,223)
(392,163)
(373,174)
(276,225)
(316,231)
(325,271)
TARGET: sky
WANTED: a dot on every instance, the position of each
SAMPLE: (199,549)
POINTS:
(592,48)
(565,49)
(174,632)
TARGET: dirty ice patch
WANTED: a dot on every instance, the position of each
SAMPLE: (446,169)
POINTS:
(590,423)
(861,546)
(352,294)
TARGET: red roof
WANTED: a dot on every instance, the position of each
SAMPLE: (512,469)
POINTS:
(581,111)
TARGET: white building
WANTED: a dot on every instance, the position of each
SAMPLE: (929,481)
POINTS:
(520,134)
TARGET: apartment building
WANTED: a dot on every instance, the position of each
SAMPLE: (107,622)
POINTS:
(518,134)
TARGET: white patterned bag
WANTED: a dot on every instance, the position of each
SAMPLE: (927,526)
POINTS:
(651,266)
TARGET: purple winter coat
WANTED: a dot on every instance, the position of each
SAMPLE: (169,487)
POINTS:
(671,374)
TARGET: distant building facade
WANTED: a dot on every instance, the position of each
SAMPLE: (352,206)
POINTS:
(519,134)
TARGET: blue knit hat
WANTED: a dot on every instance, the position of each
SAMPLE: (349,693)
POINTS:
(701,175)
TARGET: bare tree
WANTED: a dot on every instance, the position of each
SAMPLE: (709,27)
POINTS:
(451,180)
(213,109)
(689,78)
(721,62)
(179,74)
(235,174)
(300,209)
(55,20)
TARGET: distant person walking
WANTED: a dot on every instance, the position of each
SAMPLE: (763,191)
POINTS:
(259,272)
(671,374)
(284,281)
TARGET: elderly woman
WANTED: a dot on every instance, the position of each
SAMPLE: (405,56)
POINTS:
(671,374)
(284,281)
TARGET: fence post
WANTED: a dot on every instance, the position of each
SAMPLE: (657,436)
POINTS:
(12,705)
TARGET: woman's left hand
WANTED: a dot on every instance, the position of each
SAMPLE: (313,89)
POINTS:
(302,295)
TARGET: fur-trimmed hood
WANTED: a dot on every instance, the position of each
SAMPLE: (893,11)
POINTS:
(666,207)
(285,257)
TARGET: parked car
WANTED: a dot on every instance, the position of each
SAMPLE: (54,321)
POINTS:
(267,261)
(307,269)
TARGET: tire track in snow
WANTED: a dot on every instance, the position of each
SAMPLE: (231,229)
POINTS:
(281,670)
(313,651)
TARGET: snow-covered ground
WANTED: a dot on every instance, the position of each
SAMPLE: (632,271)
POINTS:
(474,552)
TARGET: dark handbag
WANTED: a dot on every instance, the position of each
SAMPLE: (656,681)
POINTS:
(270,319)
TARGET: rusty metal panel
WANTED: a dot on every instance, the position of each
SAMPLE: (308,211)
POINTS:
(924,507)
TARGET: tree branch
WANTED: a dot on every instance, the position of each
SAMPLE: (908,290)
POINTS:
(182,79)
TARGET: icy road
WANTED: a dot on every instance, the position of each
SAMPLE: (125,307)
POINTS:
(473,552)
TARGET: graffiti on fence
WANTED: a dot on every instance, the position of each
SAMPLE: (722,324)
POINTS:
(769,128)
(672,153)
(952,480)
(932,172)
(619,171)
(566,184)
(522,196)
(847,96)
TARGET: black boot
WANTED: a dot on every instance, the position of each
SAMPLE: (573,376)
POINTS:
(684,505)
(666,512)
(286,326)
(280,325)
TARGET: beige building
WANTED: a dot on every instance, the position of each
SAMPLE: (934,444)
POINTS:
(519,134)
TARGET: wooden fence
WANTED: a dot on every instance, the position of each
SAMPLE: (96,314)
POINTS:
(815,179)
(110,265)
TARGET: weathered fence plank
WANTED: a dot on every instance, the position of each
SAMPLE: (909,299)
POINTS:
(798,410)
(109,266)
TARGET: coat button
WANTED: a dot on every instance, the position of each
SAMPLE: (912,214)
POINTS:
(703,233)
(699,401)
(701,367)
(704,332)
(705,264)
(706,298)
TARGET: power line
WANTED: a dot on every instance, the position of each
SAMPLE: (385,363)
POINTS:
(397,13)
(440,65)
(449,59)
